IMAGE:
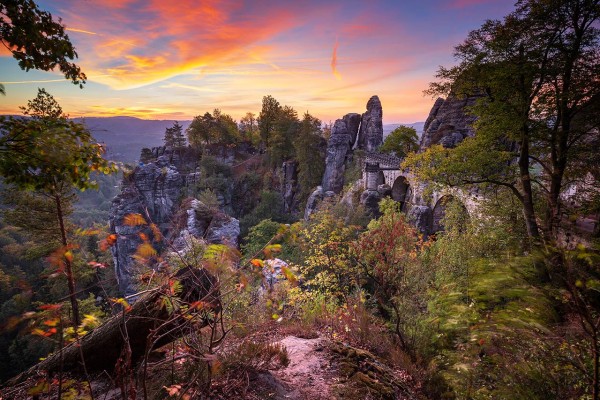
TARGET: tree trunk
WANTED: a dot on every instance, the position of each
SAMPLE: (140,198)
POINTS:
(148,324)
(525,178)
(68,268)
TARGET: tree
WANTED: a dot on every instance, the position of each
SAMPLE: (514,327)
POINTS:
(285,130)
(174,136)
(225,128)
(401,141)
(309,145)
(36,40)
(200,130)
(537,74)
(248,127)
(51,155)
(267,118)
(386,254)
(212,128)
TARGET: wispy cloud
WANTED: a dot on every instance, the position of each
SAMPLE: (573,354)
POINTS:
(337,75)
(81,31)
(33,81)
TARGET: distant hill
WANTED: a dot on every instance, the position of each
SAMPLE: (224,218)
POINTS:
(124,137)
(387,128)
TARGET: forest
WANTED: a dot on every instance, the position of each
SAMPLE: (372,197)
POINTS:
(274,257)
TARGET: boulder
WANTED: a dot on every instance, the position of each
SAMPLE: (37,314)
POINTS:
(313,201)
(370,199)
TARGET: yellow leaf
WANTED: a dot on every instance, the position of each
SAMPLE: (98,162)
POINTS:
(145,250)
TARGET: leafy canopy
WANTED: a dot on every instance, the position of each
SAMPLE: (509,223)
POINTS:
(46,150)
(36,40)
(401,141)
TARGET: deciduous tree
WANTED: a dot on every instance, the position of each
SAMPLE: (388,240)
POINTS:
(401,141)
(36,40)
(51,155)
(537,74)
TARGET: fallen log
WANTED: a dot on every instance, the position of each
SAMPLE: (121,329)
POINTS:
(146,325)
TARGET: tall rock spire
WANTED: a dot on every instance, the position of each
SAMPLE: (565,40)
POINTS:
(370,136)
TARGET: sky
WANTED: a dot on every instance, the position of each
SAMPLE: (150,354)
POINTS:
(175,59)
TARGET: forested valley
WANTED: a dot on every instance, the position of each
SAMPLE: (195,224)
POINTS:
(285,257)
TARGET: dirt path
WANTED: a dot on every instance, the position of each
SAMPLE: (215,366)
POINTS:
(309,374)
(320,369)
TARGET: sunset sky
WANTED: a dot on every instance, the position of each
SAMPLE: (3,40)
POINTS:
(161,59)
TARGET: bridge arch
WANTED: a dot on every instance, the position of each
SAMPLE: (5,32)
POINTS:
(440,208)
(401,192)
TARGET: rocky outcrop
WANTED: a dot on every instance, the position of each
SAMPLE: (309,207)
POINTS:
(370,136)
(370,199)
(154,190)
(448,122)
(421,217)
(289,186)
(209,224)
(339,148)
(313,201)
(352,121)
(351,131)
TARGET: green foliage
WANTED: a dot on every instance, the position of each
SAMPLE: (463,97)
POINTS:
(533,74)
(386,254)
(215,178)
(401,141)
(258,237)
(248,128)
(174,136)
(267,119)
(270,206)
(308,146)
(283,133)
(209,198)
(212,128)
(47,150)
(36,40)
(327,267)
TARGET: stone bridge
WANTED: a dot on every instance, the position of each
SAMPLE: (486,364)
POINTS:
(382,177)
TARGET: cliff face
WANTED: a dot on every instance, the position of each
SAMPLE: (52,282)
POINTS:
(352,131)
(154,190)
(448,122)
(370,136)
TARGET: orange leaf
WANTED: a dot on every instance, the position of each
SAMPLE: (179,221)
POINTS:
(156,232)
(257,263)
(50,307)
(95,264)
(51,322)
(134,220)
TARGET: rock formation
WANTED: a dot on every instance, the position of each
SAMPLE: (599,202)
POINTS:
(339,148)
(370,136)
(448,122)
(154,190)
(289,186)
(352,130)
